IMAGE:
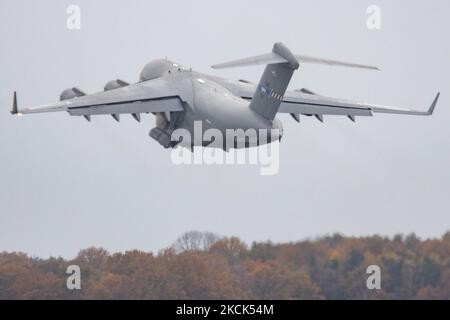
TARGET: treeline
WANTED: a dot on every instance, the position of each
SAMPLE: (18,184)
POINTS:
(205,266)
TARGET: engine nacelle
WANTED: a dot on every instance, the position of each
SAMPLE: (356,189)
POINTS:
(71,93)
(162,137)
(115,84)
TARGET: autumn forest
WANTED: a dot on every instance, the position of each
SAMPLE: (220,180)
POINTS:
(201,265)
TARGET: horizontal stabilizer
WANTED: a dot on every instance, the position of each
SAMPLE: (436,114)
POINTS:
(307,59)
(274,58)
(269,58)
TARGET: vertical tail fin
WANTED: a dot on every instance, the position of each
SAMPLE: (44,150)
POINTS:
(281,64)
(274,82)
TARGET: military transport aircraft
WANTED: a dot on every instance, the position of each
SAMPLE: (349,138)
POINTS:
(179,97)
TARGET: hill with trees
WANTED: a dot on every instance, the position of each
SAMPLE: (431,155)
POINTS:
(205,266)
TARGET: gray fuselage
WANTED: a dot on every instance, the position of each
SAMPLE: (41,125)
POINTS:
(211,104)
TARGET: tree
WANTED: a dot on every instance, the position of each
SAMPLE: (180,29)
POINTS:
(195,241)
(233,249)
(205,266)
(94,257)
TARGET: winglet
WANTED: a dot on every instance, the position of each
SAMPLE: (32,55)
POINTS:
(433,105)
(14,106)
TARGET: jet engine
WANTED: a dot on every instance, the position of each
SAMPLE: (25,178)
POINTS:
(71,93)
(162,137)
(115,84)
(164,129)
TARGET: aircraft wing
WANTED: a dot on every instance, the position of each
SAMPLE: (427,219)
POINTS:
(156,95)
(278,100)
(312,104)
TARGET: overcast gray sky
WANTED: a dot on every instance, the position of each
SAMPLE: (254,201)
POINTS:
(66,184)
